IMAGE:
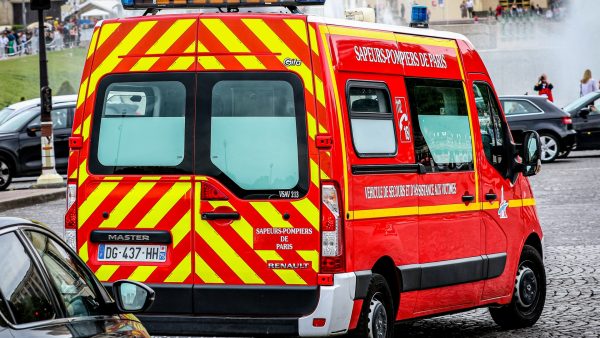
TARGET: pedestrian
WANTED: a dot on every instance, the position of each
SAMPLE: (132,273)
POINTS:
(544,87)
(3,43)
(463,9)
(470,8)
(499,10)
(402,12)
(588,84)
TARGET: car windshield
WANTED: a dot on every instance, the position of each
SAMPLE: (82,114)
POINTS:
(580,101)
(16,123)
(5,114)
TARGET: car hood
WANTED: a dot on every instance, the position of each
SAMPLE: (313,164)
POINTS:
(6,136)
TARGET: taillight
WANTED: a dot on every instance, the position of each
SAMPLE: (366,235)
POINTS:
(332,241)
(567,120)
(211,193)
(70,234)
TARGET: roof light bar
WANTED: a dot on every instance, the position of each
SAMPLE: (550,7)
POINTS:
(141,4)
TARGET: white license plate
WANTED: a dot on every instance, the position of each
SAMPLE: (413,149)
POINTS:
(132,253)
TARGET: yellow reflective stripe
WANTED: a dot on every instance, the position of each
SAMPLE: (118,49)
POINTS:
(314,45)
(204,272)
(232,43)
(163,44)
(141,273)
(308,210)
(123,48)
(381,213)
(528,202)
(320,91)
(105,32)
(208,62)
(241,226)
(289,277)
(299,27)
(310,256)
(492,205)
(104,272)
(423,40)
(182,228)
(164,205)
(83,252)
(92,47)
(276,45)
(314,172)
(447,208)
(324,176)
(182,271)
(312,126)
(85,129)
(93,201)
(182,63)
(361,33)
(130,201)
(227,254)
(272,215)
(81,97)
(82,172)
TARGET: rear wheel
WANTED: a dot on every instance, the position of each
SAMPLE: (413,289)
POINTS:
(564,154)
(550,147)
(529,294)
(377,316)
(6,174)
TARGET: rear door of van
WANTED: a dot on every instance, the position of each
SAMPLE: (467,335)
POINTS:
(256,212)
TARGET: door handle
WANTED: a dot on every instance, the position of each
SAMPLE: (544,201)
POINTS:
(491,196)
(468,198)
(213,216)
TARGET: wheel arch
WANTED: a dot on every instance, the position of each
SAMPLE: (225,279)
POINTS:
(385,266)
(10,157)
(534,241)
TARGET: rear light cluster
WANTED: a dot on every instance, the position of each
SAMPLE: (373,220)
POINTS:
(332,245)
(70,234)
(568,122)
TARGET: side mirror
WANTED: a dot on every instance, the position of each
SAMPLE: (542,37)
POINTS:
(33,129)
(531,153)
(584,112)
(132,297)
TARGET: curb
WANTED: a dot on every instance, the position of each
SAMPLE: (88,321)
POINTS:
(27,201)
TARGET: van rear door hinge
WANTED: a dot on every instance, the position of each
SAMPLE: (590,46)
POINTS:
(324,141)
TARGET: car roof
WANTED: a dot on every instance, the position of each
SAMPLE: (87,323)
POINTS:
(7,222)
(35,102)
(522,97)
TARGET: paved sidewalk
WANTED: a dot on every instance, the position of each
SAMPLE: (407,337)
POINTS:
(12,199)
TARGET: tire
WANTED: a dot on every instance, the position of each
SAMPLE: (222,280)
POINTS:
(6,173)
(529,294)
(377,316)
(550,147)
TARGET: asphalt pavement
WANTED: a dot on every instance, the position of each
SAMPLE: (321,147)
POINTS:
(568,202)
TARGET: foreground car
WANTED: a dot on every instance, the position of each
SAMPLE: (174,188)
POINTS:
(47,291)
(585,112)
(524,112)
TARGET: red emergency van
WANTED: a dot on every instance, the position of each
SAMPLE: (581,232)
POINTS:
(281,173)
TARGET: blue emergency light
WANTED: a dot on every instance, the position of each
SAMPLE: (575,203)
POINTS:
(419,17)
(140,4)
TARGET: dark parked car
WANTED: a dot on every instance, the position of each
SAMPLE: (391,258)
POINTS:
(585,112)
(47,291)
(555,127)
(20,144)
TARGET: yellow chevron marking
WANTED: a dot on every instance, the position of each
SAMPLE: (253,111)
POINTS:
(93,201)
(309,211)
(271,215)
(182,228)
(289,277)
(320,91)
(83,252)
(151,178)
(182,271)
(105,32)
(163,44)
(241,226)
(82,172)
(104,272)
(314,172)
(123,48)
(227,254)
(314,45)
(81,97)
(166,203)
(324,176)
(205,272)
(276,45)
(85,128)
(184,62)
(208,62)
(299,27)
(92,47)
(232,43)
(310,256)
(141,273)
(312,126)
(130,201)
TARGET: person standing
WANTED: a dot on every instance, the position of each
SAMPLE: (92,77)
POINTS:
(499,10)
(470,8)
(544,87)
(402,12)
(588,84)
(463,9)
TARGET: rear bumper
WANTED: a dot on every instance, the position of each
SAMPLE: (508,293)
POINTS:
(568,141)
(251,313)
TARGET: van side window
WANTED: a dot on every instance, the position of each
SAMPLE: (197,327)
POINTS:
(490,124)
(443,140)
(140,125)
(371,119)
